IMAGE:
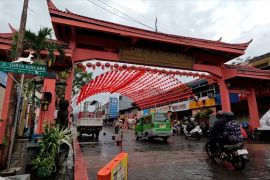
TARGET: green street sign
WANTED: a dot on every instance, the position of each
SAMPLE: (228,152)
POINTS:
(23,68)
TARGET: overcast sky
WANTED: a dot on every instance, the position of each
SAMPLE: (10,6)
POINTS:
(235,21)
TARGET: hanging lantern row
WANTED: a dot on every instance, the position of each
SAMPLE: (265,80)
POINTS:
(118,67)
(141,86)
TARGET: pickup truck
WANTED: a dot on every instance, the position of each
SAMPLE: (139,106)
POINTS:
(89,126)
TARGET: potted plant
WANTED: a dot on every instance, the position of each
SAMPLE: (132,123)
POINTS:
(53,150)
(45,165)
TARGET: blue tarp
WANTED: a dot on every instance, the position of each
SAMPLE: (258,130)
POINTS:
(234,98)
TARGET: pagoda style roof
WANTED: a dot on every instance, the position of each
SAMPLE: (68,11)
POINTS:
(68,18)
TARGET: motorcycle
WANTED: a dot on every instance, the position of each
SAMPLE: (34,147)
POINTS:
(191,131)
(235,154)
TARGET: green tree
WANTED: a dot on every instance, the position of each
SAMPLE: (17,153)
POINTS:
(81,77)
(42,40)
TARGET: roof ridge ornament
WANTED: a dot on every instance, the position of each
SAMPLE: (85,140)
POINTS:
(13,30)
(246,43)
(68,11)
(51,5)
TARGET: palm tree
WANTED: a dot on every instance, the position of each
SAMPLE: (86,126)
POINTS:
(42,40)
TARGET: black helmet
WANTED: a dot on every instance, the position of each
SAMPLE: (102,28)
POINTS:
(220,114)
(226,115)
(229,116)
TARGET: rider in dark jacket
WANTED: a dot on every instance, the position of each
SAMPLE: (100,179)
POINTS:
(217,138)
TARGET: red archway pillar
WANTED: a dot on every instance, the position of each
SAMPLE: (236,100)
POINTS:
(68,92)
(4,114)
(48,116)
(253,109)
(224,96)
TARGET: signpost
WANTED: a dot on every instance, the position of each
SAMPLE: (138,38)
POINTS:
(23,68)
(20,68)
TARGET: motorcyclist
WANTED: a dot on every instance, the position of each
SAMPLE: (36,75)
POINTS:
(191,124)
(217,138)
(118,125)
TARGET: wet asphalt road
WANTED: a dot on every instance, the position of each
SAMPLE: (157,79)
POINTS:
(177,159)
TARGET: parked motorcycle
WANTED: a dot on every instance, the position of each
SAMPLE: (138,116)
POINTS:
(192,131)
(236,154)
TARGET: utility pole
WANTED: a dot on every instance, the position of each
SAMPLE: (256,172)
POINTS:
(19,51)
(156,24)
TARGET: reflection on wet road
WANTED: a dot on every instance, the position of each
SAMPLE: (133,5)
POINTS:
(177,159)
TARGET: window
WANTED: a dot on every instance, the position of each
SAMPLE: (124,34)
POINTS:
(161,117)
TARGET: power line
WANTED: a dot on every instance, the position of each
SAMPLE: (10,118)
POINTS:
(132,20)
(152,19)
(125,14)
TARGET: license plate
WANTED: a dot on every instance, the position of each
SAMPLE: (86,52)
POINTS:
(242,151)
(162,126)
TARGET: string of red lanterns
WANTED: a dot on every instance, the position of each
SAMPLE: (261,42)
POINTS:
(116,66)
(144,85)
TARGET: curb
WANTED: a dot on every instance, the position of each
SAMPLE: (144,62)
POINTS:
(80,168)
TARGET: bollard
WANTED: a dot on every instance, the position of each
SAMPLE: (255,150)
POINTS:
(117,168)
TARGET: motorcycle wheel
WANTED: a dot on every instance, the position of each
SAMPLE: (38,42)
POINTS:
(239,163)
(208,150)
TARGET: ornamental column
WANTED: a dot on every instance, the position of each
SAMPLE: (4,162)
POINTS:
(6,103)
(224,96)
(47,115)
(68,93)
(253,109)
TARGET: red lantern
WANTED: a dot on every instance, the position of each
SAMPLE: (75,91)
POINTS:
(84,68)
(120,68)
(116,66)
(132,67)
(111,67)
(102,67)
(107,65)
(124,66)
(89,65)
(79,65)
(164,71)
(98,64)
(94,67)
(154,71)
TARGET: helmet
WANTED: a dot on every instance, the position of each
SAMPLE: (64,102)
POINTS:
(220,114)
(226,115)
(229,115)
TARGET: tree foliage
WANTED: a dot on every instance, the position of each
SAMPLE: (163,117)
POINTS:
(204,114)
(37,42)
(81,77)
